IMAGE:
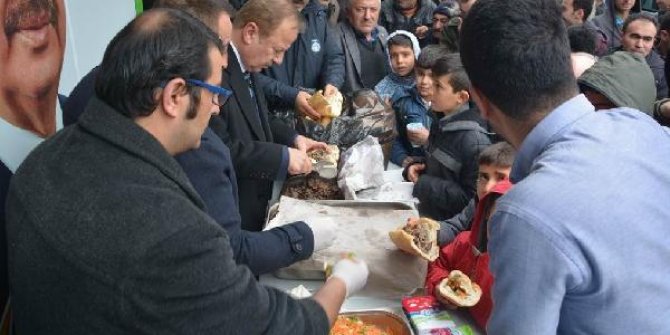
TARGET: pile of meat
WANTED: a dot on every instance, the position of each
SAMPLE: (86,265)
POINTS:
(312,187)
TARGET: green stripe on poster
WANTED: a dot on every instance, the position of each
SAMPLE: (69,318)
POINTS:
(138,7)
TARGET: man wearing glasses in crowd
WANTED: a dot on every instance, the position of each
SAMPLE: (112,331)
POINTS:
(106,233)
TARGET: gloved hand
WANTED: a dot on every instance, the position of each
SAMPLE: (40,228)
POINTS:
(323,230)
(353,272)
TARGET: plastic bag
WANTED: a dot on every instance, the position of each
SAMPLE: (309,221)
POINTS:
(362,167)
(363,114)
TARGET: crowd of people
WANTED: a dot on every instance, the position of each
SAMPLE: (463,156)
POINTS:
(533,131)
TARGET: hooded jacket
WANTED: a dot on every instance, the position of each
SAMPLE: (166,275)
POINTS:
(607,23)
(393,83)
(624,78)
(468,254)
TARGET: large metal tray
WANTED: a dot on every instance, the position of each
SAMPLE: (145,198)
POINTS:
(385,319)
(316,271)
(371,204)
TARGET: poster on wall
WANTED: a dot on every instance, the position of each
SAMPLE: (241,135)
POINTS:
(46,46)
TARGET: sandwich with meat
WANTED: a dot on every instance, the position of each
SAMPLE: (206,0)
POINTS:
(418,237)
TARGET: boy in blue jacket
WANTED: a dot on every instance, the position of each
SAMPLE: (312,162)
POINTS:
(413,106)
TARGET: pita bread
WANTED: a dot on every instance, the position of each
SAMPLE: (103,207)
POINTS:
(405,241)
(459,289)
(329,107)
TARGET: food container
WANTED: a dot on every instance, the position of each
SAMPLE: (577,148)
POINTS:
(385,319)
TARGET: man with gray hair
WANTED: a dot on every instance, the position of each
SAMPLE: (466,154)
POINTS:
(363,41)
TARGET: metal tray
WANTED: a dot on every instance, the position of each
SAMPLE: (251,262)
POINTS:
(385,319)
(371,204)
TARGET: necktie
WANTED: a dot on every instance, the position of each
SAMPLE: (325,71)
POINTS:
(250,84)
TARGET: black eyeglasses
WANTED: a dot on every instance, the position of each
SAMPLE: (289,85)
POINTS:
(219,94)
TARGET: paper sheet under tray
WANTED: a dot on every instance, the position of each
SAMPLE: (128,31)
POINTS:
(361,227)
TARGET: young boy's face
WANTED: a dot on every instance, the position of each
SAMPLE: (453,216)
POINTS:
(445,100)
(489,175)
(402,59)
(424,82)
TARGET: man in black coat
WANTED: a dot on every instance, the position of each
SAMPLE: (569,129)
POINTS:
(263,148)
(107,235)
(210,170)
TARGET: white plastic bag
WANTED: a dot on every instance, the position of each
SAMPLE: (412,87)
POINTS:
(362,167)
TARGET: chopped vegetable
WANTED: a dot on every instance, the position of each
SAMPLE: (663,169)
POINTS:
(351,325)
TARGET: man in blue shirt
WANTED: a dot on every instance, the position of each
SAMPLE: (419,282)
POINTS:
(579,246)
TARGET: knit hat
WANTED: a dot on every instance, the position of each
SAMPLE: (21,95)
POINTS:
(449,8)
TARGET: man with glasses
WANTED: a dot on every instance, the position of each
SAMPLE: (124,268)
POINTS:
(108,236)
(210,169)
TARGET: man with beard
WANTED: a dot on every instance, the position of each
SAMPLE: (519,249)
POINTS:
(109,237)
(578,245)
(32,44)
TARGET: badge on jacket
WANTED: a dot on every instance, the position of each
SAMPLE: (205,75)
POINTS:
(316,46)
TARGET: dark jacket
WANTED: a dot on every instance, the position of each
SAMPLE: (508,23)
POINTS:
(449,180)
(607,23)
(352,56)
(657,65)
(602,47)
(5,178)
(392,20)
(108,236)
(210,169)
(257,142)
(313,60)
(409,108)
(624,78)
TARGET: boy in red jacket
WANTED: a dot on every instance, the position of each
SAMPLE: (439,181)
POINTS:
(468,254)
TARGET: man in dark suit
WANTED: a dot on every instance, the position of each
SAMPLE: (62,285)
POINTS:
(263,148)
(107,234)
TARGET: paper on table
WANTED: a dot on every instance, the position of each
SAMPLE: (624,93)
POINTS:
(364,231)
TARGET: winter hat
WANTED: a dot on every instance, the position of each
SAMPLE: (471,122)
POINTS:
(449,8)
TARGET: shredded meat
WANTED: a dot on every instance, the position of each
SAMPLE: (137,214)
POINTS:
(421,237)
(312,187)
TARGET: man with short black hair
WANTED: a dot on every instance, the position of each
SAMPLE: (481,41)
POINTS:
(612,20)
(108,236)
(639,36)
(590,204)
(578,12)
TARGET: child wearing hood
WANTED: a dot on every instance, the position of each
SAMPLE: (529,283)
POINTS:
(403,49)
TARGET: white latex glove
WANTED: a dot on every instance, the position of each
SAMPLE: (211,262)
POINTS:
(353,272)
(323,230)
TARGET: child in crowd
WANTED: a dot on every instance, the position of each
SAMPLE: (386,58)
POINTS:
(445,180)
(495,163)
(403,49)
(468,254)
(413,106)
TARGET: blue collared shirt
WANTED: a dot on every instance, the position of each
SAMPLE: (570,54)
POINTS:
(580,244)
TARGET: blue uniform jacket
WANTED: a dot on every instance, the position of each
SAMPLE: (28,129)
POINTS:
(313,60)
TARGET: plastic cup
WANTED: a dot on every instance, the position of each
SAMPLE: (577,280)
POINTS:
(412,127)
